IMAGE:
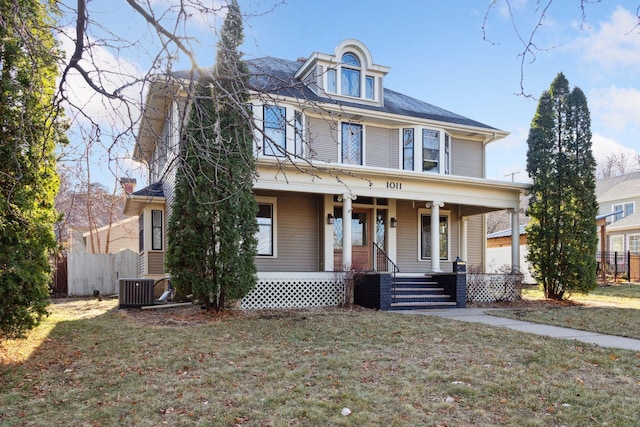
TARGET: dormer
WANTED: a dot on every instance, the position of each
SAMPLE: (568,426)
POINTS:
(349,74)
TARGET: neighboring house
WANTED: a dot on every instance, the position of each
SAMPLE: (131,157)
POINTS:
(366,164)
(499,253)
(619,196)
(111,238)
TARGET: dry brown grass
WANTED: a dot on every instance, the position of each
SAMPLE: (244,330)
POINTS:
(611,310)
(302,367)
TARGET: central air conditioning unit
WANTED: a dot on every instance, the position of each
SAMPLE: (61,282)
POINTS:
(135,292)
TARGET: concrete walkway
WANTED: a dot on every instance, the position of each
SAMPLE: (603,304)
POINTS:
(479,315)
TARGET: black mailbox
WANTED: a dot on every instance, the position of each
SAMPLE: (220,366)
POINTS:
(459,266)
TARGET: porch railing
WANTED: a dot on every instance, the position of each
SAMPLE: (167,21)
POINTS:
(382,257)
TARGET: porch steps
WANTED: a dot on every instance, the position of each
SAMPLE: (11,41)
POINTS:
(419,292)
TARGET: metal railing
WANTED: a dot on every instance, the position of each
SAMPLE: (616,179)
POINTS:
(380,254)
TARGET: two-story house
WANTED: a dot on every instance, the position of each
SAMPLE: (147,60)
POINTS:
(371,175)
(617,198)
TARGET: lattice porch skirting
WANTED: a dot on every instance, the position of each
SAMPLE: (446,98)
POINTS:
(490,287)
(295,290)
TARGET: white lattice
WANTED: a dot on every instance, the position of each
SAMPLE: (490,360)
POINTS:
(290,290)
(483,287)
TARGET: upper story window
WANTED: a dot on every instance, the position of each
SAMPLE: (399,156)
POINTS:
(298,134)
(430,150)
(350,74)
(435,155)
(407,149)
(622,210)
(370,87)
(352,144)
(275,126)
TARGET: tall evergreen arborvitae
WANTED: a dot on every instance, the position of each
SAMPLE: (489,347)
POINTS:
(30,130)
(212,243)
(562,234)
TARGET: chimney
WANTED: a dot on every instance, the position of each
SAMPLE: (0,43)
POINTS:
(129,184)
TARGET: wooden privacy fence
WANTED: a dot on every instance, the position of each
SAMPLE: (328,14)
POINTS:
(99,272)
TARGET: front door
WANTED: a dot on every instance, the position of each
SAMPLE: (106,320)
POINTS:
(361,238)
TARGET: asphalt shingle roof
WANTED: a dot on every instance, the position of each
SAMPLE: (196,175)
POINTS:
(153,190)
(276,75)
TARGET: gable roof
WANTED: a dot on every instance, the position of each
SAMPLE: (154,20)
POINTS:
(618,187)
(277,76)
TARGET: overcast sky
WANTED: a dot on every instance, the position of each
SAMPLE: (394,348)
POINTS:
(437,53)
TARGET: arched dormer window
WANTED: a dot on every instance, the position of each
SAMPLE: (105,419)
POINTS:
(350,75)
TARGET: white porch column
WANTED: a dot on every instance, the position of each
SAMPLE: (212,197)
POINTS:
(435,235)
(347,259)
(515,240)
(463,238)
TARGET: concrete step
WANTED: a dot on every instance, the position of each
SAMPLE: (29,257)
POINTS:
(415,305)
(423,296)
(417,289)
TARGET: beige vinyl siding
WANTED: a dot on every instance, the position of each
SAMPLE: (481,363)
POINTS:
(408,235)
(475,240)
(323,140)
(156,262)
(298,233)
(467,158)
(381,147)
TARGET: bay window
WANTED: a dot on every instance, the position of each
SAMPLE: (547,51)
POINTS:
(156,230)
(430,150)
(407,149)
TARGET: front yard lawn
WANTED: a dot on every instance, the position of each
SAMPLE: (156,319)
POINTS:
(92,364)
(612,310)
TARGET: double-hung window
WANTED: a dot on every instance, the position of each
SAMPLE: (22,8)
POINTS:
(351,144)
(622,210)
(425,236)
(275,126)
(266,229)
(156,230)
(430,150)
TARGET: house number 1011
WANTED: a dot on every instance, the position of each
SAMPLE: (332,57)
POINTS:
(394,185)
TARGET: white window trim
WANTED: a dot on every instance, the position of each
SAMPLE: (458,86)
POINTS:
(274,202)
(622,205)
(418,149)
(290,132)
(629,236)
(364,145)
(365,72)
(616,236)
(446,213)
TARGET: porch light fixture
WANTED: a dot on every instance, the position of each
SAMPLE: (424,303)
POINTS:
(394,222)
(330,219)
